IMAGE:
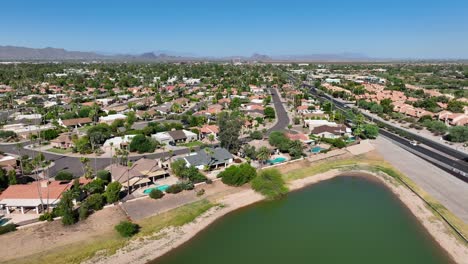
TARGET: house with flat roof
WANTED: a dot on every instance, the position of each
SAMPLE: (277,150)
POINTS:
(118,142)
(111,118)
(175,136)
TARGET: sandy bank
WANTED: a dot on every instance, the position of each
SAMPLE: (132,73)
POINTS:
(142,251)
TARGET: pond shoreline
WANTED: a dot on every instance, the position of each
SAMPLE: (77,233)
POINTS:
(143,251)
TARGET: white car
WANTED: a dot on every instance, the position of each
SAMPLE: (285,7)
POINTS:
(414,142)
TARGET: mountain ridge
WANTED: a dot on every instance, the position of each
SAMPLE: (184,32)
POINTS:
(50,54)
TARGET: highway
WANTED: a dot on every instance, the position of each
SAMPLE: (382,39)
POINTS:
(445,157)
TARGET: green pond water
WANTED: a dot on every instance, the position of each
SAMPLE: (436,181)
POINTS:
(343,220)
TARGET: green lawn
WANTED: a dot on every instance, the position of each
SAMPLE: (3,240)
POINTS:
(192,144)
(60,151)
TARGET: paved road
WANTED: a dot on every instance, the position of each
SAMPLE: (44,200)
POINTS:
(435,145)
(442,161)
(443,157)
(448,190)
(73,164)
(281,114)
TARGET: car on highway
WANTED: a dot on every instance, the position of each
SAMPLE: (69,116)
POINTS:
(414,142)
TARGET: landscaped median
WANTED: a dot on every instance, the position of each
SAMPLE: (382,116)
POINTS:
(109,243)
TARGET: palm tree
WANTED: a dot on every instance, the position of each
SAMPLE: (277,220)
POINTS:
(84,162)
(211,138)
(19,147)
(111,147)
(171,152)
(263,155)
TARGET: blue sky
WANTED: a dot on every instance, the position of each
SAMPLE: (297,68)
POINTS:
(394,29)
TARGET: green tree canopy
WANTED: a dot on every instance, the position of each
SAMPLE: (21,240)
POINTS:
(238,175)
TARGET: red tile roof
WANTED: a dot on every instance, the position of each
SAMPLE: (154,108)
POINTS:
(30,191)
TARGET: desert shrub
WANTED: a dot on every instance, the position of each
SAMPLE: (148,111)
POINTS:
(104,175)
(64,176)
(46,217)
(96,186)
(256,135)
(142,144)
(83,212)
(127,229)
(238,175)
(95,201)
(112,192)
(7,134)
(156,194)
(270,183)
(175,188)
(7,228)
(193,174)
(187,185)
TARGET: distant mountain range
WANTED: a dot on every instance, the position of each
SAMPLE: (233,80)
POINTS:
(13,53)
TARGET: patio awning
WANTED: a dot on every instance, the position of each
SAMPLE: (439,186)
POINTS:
(136,181)
(27,202)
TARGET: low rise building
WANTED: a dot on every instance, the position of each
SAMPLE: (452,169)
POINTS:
(209,157)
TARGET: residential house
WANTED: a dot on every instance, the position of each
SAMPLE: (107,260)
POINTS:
(31,196)
(209,157)
(8,162)
(327,131)
(25,131)
(63,141)
(163,138)
(175,136)
(75,122)
(130,178)
(209,130)
(111,118)
(164,109)
(453,119)
(299,136)
(118,142)
(150,168)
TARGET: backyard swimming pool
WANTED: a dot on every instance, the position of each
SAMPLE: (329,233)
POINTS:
(162,188)
(276,160)
(316,149)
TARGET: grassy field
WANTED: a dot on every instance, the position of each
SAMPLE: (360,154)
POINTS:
(377,165)
(109,243)
(60,151)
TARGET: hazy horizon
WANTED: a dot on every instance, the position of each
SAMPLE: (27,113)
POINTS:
(420,30)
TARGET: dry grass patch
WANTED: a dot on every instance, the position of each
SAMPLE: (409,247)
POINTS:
(108,243)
